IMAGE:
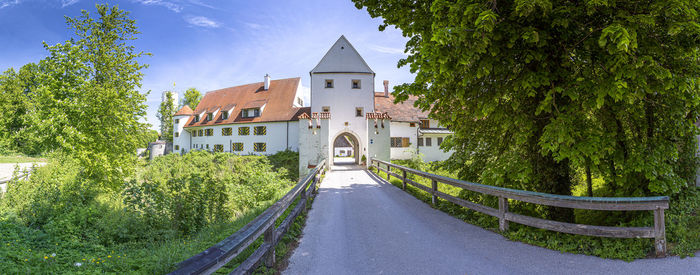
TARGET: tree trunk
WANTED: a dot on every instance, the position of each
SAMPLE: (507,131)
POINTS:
(589,181)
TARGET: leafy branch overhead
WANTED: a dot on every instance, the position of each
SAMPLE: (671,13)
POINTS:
(536,91)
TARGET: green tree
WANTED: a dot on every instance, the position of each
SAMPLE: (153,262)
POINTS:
(192,98)
(165,115)
(88,103)
(534,90)
(18,90)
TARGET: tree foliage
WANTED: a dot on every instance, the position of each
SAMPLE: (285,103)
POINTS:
(192,98)
(87,102)
(535,90)
(165,115)
(17,90)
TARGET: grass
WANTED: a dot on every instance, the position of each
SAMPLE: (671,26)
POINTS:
(20,159)
(682,224)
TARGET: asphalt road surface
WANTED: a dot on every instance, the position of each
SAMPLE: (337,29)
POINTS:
(359,224)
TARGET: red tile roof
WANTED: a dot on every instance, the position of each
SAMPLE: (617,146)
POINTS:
(278,101)
(184,111)
(404,111)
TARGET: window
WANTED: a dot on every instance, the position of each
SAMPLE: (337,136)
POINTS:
(200,133)
(194,133)
(209,132)
(243,131)
(300,101)
(326,109)
(329,83)
(218,147)
(439,141)
(253,112)
(420,141)
(355,83)
(196,118)
(226,131)
(177,134)
(400,142)
(209,116)
(177,121)
(412,124)
(358,112)
(428,141)
(237,146)
(259,147)
(224,115)
(424,123)
(207,146)
(260,130)
(177,147)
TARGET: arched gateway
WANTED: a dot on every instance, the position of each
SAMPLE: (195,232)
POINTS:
(346,149)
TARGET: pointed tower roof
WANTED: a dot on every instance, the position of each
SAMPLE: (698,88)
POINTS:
(342,58)
(184,111)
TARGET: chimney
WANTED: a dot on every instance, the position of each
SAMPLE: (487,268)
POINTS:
(267,82)
(386,88)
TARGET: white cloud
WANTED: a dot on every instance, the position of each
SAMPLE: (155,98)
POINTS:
(201,21)
(388,50)
(66,3)
(7,3)
(169,5)
(254,26)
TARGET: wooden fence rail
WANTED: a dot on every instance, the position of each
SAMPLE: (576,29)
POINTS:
(215,257)
(656,204)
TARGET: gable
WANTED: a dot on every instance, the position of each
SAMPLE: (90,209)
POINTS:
(342,58)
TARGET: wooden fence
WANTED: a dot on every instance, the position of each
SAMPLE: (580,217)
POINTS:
(22,175)
(656,204)
(217,256)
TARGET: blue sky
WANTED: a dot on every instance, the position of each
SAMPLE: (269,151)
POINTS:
(213,44)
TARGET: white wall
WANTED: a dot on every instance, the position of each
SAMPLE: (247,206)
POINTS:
(343,101)
(404,129)
(346,151)
(183,141)
(279,137)
(433,152)
(313,144)
(379,141)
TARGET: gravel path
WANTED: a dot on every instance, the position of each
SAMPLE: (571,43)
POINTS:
(360,224)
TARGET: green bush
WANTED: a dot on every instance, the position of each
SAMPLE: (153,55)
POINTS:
(169,201)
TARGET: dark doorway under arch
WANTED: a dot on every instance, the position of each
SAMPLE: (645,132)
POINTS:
(346,150)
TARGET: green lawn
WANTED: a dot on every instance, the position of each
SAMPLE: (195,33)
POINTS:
(19,159)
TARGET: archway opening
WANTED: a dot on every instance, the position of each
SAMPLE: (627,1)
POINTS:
(346,150)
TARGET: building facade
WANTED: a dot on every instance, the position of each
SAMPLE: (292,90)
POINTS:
(345,117)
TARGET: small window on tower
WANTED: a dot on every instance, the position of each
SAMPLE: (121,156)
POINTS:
(358,112)
(326,109)
(355,83)
(329,83)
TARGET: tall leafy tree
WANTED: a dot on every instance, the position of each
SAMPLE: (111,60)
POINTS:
(165,115)
(192,98)
(17,91)
(535,90)
(88,102)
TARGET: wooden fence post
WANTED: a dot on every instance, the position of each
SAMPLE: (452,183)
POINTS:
(269,237)
(404,179)
(659,232)
(502,210)
(388,176)
(435,188)
(315,183)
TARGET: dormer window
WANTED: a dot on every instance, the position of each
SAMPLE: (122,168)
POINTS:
(252,112)
(355,83)
(329,83)
(209,116)
(196,118)
(224,115)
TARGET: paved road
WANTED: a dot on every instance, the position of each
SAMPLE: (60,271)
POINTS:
(360,224)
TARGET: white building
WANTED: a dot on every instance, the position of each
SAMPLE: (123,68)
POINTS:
(346,117)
